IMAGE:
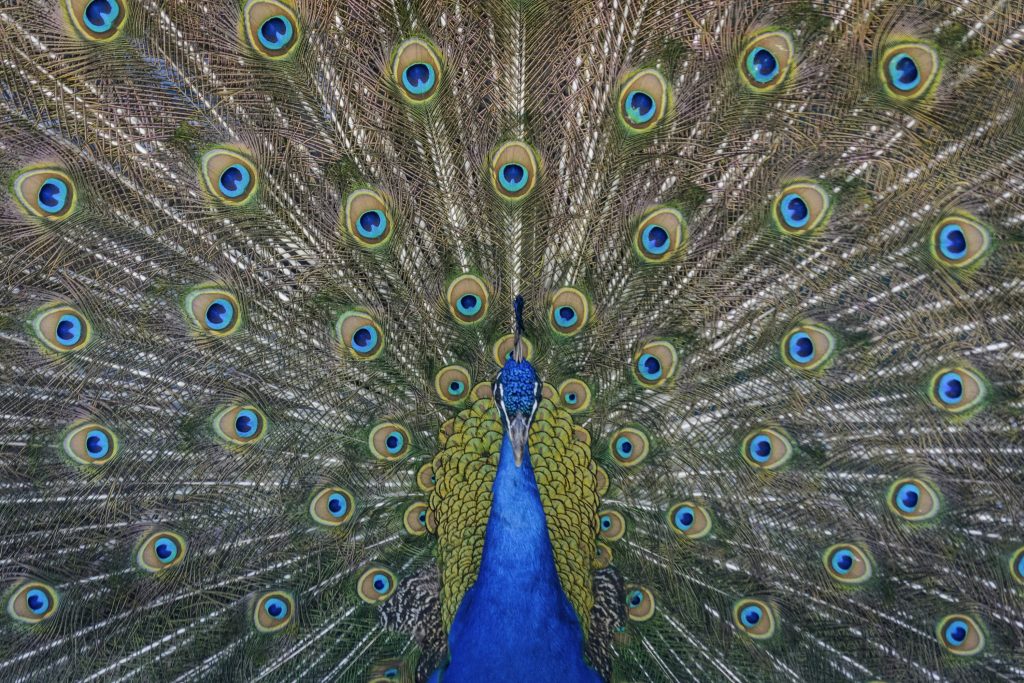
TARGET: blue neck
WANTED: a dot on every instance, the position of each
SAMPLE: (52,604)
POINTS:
(515,623)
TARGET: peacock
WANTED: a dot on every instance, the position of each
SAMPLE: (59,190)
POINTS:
(512,340)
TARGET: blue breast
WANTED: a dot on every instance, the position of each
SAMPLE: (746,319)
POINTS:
(515,623)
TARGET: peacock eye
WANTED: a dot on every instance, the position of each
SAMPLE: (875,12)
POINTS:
(643,100)
(160,551)
(909,70)
(240,424)
(32,602)
(376,584)
(575,395)
(416,69)
(660,234)
(767,448)
(602,556)
(629,446)
(45,193)
(90,444)
(332,506)
(913,500)
(800,208)
(568,312)
(957,390)
(611,525)
(358,332)
(213,311)
(689,520)
(425,477)
(273,611)
(639,603)
(415,519)
(229,177)
(655,363)
(808,347)
(389,441)
(467,299)
(367,218)
(847,563)
(514,170)
(960,634)
(600,475)
(97,20)
(959,241)
(767,60)
(754,617)
(1017,565)
(387,671)
(451,383)
(61,329)
(272,28)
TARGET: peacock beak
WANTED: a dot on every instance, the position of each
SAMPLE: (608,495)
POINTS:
(518,433)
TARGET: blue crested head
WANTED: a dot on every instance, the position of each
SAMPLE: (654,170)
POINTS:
(517,390)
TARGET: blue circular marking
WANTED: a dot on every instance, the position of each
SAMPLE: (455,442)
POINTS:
(751,615)
(418,78)
(842,561)
(69,329)
(760,448)
(38,601)
(219,314)
(337,504)
(276,608)
(53,195)
(365,339)
(97,444)
(571,398)
(956,632)
(951,388)
(234,181)
(684,518)
(565,316)
(469,304)
(953,242)
(381,583)
(166,550)
(513,177)
(100,15)
(649,367)
(624,447)
(640,107)
(762,65)
(794,211)
(276,32)
(372,224)
(903,72)
(247,422)
(801,348)
(907,497)
(394,442)
(635,598)
(455,387)
(655,240)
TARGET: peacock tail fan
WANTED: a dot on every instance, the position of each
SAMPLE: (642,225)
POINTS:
(263,372)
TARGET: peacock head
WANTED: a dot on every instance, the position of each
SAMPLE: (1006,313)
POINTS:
(517,391)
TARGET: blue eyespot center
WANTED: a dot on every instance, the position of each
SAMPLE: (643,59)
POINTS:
(394,442)
(234,181)
(655,239)
(571,398)
(276,608)
(762,65)
(903,72)
(761,448)
(469,304)
(418,78)
(246,423)
(276,32)
(337,505)
(372,224)
(606,522)
(801,348)
(38,601)
(97,444)
(100,15)
(842,561)
(907,497)
(391,673)
(381,583)
(951,388)
(365,339)
(649,366)
(751,615)
(455,387)
(635,598)
(513,177)
(53,195)
(794,211)
(640,107)
(956,632)
(953,242)
(69,329)
(624,447)
(684,518)
(423,517)
(219,314)
(166,550)
(565,316)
